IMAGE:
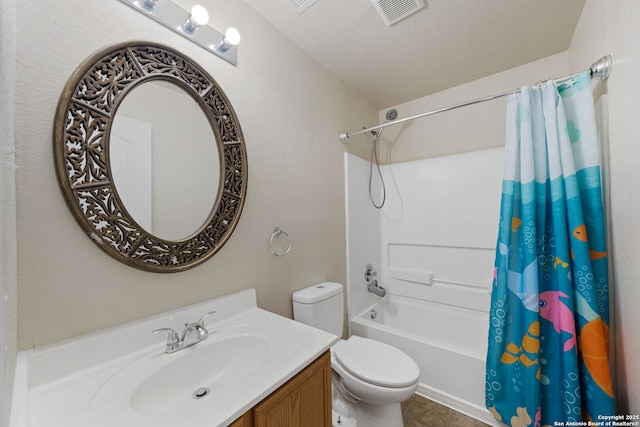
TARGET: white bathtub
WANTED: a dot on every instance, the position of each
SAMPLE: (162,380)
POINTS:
(448,343)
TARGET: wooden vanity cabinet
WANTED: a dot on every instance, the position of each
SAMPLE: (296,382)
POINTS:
(304,400)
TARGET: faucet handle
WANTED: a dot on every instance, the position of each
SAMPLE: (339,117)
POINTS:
(201,330)
(201,321)
(369,273)
(173,340)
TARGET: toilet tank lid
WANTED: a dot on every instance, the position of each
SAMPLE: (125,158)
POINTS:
(317,293)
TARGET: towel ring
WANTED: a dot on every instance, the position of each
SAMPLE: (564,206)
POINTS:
(277,232)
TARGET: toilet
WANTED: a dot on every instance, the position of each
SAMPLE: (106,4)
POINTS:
(369,378)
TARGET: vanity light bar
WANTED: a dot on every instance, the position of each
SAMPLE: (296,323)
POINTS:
(190,25)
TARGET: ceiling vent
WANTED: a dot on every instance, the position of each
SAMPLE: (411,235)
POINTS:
(301,5)
(393,11)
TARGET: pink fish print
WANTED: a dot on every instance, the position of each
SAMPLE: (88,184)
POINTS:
(553,310)
(538,417)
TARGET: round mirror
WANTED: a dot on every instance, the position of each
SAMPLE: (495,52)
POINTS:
(150,157)
(164,160)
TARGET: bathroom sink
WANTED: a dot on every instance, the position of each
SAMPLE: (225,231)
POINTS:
(160,383)
(122,377)
(198,372)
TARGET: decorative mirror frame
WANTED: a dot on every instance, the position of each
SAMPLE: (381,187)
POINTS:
(82,127)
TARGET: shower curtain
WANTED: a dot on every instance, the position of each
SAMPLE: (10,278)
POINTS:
(547,360)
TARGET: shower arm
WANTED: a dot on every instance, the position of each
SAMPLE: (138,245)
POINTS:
(599,70)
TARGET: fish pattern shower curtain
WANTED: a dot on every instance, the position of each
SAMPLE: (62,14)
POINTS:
(547,360)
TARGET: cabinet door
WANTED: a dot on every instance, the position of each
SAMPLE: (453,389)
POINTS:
(244,421)
(305,400)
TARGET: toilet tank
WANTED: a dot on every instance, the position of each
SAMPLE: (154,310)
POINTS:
(321,306)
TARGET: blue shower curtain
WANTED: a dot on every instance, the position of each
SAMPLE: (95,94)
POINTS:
(547,360)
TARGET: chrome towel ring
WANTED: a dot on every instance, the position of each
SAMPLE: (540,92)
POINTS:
(277,232)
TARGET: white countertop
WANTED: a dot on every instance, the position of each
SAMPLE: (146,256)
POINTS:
(76,383)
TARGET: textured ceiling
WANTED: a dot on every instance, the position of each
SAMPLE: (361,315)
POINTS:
(448,43)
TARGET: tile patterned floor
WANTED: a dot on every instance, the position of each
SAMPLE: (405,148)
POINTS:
(421,412)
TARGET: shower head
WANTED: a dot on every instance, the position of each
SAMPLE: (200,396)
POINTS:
(376,131)
(389,117)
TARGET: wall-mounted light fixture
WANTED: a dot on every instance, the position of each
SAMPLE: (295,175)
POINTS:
(192,25)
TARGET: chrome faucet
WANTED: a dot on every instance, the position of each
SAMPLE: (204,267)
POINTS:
(374,288)
(177,342)
(372,284)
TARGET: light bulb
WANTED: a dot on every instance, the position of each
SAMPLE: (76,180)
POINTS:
(199,15)
(150,4)
(230,39)
(232,36)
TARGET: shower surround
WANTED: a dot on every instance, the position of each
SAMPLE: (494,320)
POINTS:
(433,244)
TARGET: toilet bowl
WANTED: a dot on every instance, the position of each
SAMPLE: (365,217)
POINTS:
(369,378)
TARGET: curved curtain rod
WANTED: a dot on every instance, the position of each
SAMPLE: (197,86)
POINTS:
(599,70)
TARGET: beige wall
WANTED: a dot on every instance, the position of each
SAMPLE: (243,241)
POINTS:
(8,249)
(291,111)
(465,129)
(611,27)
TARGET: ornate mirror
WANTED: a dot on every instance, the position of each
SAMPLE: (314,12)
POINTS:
(150,156)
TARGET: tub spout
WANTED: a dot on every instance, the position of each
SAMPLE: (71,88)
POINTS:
(375,289)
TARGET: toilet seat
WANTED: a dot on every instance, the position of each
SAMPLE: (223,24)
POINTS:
(376,363)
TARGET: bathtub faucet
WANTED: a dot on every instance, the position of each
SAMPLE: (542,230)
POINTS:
(369,274)
(375,289)
(177,342)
